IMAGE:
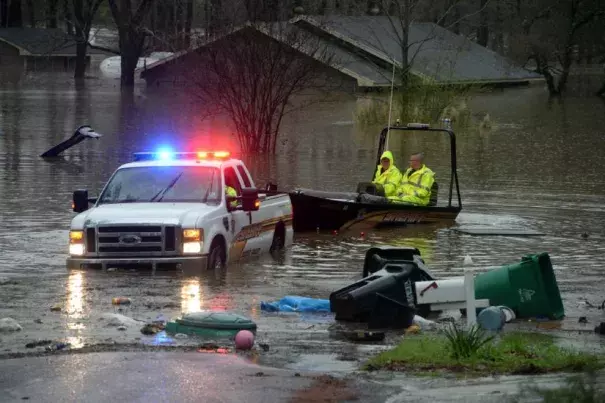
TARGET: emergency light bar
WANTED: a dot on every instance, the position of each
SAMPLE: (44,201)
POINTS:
(170,155)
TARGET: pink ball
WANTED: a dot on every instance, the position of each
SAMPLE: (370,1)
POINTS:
(244,340)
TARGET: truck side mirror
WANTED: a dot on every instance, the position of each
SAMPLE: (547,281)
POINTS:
(250,200)
(80,201)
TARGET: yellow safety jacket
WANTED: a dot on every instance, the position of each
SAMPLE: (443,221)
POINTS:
(415,187)
(390,178)
(229,191)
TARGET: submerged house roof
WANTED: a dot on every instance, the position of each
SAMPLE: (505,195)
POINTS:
(41,41)
(434,52)
(365,49)
(289,35)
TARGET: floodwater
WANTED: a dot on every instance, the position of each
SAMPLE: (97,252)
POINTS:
(541,166)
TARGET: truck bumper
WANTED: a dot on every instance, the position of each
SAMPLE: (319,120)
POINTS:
(185,263)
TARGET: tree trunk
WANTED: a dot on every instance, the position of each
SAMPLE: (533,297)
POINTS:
(51,13)
(542,68)
(179,22)
(132,36)
(188,23)
(161,22)
(214,17)
(131,46)
(483,29)
(3,13)
(81,48)
(456,14)
(32,13)
(81,34)
(567,61)
(405,41)
(129,65)
(601,91)
(10,14)
(499,24)
(69,25)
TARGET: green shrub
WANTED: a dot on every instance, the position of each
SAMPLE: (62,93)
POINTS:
(466,343)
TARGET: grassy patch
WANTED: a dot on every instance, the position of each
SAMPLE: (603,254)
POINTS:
(419,102)
(511,353)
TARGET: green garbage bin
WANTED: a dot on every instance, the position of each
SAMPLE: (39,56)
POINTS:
(529,288)
(211,324)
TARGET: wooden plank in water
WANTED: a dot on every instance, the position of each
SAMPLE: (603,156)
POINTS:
(498,231)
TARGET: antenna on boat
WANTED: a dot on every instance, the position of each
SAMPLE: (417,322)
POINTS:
(390,106)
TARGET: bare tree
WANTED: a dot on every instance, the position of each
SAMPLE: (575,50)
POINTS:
(483,28)
(550,34)
(84,12)
(52,7)
(256,74)
(171,23)
(31,12)
(129,16)
(10,14)
(401,14)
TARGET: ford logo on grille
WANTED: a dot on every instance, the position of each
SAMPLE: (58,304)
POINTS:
(130,239)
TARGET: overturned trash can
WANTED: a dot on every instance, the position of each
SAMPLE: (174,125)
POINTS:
(529,288)
(378,256)
(387,292)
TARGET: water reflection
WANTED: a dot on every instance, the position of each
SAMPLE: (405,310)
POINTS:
(221,302)
(424,245)
(74,307)
(254,311)
(191,296)
(75,296)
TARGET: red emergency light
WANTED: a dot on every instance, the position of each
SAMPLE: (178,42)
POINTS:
(169,155)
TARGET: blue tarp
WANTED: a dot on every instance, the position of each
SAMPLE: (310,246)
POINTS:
(293,303)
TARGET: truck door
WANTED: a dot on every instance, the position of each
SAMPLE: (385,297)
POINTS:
(238,220)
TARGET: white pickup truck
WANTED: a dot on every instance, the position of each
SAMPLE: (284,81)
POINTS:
(169,210)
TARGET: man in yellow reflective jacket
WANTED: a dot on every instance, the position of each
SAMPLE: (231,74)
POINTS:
(229,191)
(387,174)
(416,183)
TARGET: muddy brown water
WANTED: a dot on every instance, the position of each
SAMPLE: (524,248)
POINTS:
(540,167)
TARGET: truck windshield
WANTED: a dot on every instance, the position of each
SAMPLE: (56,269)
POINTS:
(163,184)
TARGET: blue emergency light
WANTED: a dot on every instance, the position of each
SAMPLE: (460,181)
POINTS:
(168,155)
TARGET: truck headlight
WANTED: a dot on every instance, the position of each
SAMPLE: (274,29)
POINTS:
(193,239)
(76,249)
(76,243)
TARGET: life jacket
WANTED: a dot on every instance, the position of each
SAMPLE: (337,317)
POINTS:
(390,178)
(415,187)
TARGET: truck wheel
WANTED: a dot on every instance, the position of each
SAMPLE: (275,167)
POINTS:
(279,237)
(216,259)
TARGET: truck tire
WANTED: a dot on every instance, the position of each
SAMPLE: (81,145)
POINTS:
(279,237)
(216,258)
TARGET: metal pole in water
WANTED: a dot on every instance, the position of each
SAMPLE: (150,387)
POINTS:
(471,305)
(390,106)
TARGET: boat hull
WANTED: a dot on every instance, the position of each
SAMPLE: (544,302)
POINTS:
(312,213)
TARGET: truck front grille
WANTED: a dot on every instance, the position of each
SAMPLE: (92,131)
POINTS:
(133,240)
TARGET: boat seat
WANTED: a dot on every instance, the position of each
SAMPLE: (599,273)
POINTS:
(370,188)
(434,194)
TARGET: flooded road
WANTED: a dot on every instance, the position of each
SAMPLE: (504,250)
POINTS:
(540,167)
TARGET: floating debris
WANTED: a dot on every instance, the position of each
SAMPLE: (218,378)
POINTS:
(39,343)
